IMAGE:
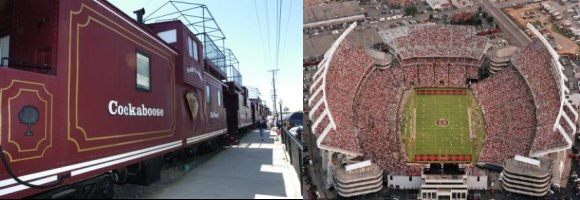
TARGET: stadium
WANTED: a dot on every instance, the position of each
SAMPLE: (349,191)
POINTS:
(420,110)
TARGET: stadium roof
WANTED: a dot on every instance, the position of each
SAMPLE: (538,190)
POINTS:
(528,160)
(381,58)
(334,21)
(502,54)
(358,165)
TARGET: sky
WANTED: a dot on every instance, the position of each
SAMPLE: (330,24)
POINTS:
(250,30)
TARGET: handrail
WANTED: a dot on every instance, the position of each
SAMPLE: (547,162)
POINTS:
(293,138)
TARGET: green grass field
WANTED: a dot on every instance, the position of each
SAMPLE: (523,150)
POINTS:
(422,113)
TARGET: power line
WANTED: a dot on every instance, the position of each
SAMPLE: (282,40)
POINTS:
(261,33)
(279,25)
(268,29)
(287,25)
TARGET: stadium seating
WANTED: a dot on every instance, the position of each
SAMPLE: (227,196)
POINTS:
(509,116)
(534,62)
(348,66)
(520,103)
(376,109)
(440,41)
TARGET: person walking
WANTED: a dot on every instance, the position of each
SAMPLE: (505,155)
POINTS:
(262,125)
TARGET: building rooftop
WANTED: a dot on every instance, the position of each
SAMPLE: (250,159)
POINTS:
(438,4)
(331,11)
(381,58)
(502,54)
(524,168)
(369,173)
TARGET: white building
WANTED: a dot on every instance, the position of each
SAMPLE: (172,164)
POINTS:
(439,4)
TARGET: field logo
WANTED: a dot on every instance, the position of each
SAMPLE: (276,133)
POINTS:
(442,122)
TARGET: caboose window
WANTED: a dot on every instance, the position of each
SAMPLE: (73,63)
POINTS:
(192,46)
(219,99)
(143,72)
(207,94)
(169,36)
(4,49)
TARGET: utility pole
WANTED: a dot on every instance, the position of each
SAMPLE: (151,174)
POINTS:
(274,96)
(281,112)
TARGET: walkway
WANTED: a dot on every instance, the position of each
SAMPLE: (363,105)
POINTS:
(251,170)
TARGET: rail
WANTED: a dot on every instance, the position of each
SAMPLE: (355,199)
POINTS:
(294,148)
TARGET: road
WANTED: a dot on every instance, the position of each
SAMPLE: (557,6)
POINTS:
(518,36)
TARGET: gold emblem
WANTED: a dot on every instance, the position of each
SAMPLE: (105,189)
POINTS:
(193,105)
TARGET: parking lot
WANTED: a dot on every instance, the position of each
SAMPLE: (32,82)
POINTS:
(381,17)
(556,22)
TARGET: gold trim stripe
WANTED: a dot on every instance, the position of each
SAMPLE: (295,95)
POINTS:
(51,119)
(171,73)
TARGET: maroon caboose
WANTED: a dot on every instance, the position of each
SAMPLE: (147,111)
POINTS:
(238,108)
(85,91)
(259,111)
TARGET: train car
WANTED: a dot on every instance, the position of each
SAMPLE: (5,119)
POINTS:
(88,95)
(259,110)
(255,106)
(237,107)
(199,83)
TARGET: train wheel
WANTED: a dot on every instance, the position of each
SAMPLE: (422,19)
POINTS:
(107,191)
(120,175)
(192,151)
(170,157)
(214,145)
(100,187)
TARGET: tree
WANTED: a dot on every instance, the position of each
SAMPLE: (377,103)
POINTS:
(29,116)
(479,9)
(497,26)
(411,10)
(484,14)
(430,17)
(473,20)
(461,22)
(479,22)
(490,19)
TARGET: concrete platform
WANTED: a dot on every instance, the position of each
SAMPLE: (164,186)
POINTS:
(251,170)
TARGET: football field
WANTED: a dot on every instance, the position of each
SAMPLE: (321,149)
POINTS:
(437,126)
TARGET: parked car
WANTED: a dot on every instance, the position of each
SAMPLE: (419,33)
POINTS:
(294,119)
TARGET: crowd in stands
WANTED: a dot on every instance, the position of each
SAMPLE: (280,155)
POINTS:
(398,73)
(364,101)
(348,65)
(472,72)
(321,126)
(426,76)
(433,76)
(457,76)
(411,76)
(509,114)
(535,63)
(441,61)
(439,41)
(376,122)
(441,75)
